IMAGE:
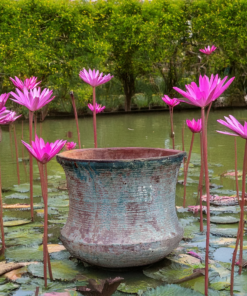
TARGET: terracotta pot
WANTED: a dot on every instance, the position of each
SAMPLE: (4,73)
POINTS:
(121,205)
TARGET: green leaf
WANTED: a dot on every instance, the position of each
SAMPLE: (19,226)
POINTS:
(170,290)
(62,270)
(15,223)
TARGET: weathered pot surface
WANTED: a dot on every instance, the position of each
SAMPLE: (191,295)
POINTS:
(122,205)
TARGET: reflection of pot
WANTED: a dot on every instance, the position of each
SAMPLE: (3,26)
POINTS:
(122,205)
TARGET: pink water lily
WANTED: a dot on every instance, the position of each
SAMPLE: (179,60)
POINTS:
(233,124)
(208,50)
(194,126)
(33,99)
(29,83)
(42,151)
(94,78)
(98,108)
(3,100)
(3,112)
(70,145)
(170,102)
(207,91)
(9,117)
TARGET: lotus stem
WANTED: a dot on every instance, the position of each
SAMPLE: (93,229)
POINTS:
(37,291)
(204,140)
(200,185)
(10,141)
(187,167)
(183,142)
(234,260)
(94,118)
(40,129)
(1,134)
(49,265)
(46,258)
(35,123)
(16,156)
(236,167)
(1,217)
(209,108)
(76,118)
(172,129)
(241,223)
(23,154)
(31,162)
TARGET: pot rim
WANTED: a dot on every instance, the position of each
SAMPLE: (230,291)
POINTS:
(65,155)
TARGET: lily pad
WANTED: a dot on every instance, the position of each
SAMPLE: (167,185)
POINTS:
(17,195)
(58,221)
(173,273)
(15,274)
(231,174)
(185,259)
(171,290)
(225,232)
(19,254)
(137,286)
(57,202)
(25,238)
(15,223)
(62,270)
(22,206)
(8,287)
(217,242)
(52,286)
(21,188)
(223,220)
(220,285)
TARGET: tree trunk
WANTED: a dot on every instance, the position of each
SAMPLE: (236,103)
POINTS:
(129,89)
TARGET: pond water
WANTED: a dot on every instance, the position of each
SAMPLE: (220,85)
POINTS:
(126,130)
(24,239)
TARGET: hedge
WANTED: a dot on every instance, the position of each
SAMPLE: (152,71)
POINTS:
(148,46)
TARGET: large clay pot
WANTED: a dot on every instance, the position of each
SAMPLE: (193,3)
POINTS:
(121,205)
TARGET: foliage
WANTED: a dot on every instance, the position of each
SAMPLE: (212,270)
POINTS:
(146,45)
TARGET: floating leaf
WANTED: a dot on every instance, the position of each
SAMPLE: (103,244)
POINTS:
(225,209)
(174,273)
(15,223)
(62,270)
(17,195)
(19,254)
(221,241)
(25,237)
(52,286)
(58,221)
(220,285)
(231,174)
(52,248)
(226,232)
(62,255)
(6,267)
(8,287)
(22,206)
(15,274)
(171,290)
(57,202)
(224,220)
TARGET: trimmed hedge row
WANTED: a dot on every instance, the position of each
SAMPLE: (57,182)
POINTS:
(148,46)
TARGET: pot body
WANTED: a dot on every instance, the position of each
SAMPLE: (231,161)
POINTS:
(121,205)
